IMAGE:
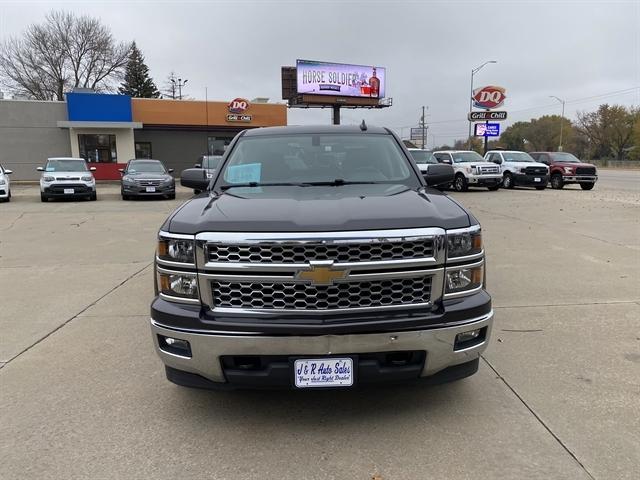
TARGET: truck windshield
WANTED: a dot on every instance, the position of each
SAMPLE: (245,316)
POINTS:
(423,156)
(332,159)
(464,157)
(564,157)
(517,157)
(66,166)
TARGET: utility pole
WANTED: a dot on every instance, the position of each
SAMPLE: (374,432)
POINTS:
(473,72)
(561,119)
(423,125)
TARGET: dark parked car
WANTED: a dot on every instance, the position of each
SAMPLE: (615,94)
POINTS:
(565,168)
(147,178)
(209,163)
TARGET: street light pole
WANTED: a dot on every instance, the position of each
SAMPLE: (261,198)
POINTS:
(561,119)
(473,72)
(423,122)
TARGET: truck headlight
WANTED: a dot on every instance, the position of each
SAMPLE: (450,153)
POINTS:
(3,181)
(523,170)
(48,179)
(462,279)
(461,243)
(86,178)
(178,284)
(175,250)
(567,169)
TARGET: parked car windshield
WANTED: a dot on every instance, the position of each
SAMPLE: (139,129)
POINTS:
(423,156)
(211,162)
(564,157)
(145,167)
(464,157)
(66,166)
(517,157)
(318,158)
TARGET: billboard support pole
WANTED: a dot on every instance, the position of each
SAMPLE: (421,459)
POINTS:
(336,114)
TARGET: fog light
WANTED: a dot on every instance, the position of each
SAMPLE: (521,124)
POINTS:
(466,336)
(177,346)
(470,338)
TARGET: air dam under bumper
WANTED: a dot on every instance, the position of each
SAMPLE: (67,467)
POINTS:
(208,348)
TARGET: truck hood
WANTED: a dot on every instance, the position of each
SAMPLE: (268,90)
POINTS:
(312,209)
(572,164)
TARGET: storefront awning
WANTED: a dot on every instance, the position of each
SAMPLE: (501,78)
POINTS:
(109,125)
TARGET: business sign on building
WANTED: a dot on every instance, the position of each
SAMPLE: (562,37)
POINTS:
(487,115)
(487,129)
(488,97)
(338,79)
(236,108)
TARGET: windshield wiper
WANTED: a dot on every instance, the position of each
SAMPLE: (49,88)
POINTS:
(258,184)
(336,183)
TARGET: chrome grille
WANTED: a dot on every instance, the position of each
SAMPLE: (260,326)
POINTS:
(302,296)
(489,169)
(149,183)
(303,253)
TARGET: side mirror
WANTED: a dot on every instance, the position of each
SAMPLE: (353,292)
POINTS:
(121,170)
(439,174)
(92,169)
(498,161)
(195,178)
(40,169)
(170,170)
(8,172)
(197,165)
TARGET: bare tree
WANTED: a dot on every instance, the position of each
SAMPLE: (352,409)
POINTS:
(64,52)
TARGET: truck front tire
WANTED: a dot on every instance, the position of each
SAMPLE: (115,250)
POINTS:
(587,186)
(507,181)
(556,181)
(460,183)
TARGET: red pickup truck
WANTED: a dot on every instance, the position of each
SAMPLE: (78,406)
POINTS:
(565,168)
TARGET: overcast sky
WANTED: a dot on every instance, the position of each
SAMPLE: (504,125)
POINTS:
(575,50)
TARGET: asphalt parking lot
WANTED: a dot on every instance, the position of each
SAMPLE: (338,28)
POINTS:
(557,396)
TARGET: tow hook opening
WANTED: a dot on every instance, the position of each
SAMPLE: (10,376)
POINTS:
(175,346)
(470,338)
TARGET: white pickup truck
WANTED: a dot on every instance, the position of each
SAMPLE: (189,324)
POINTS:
(471,170)
(519,169)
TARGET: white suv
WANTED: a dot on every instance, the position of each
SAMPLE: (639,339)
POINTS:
(5,185)
(471,170)
(64,177)
(519,169)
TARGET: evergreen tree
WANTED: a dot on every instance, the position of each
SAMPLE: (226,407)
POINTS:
(137,81)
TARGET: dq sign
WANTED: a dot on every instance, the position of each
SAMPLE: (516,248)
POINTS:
(238,105)
(488,97)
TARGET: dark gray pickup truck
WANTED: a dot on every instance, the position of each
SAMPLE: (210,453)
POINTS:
(319,257)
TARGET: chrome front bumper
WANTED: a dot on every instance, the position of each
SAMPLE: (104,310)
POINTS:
(207,348)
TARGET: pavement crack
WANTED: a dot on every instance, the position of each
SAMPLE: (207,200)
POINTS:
(13,223)
(537,417)
(66,322)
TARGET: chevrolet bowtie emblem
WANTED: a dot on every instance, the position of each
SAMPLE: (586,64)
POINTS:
(321,274)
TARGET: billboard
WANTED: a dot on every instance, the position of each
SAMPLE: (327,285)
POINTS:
(339,79)
(487,129)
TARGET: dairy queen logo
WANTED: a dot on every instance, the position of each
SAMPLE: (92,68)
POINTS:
(238,105)
(488,97)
